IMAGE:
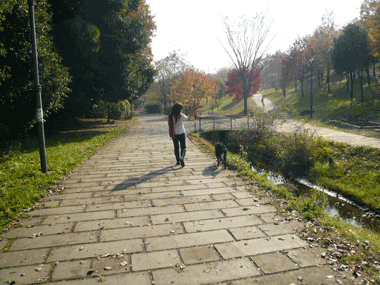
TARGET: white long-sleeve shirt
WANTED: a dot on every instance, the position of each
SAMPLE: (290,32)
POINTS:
(179,127)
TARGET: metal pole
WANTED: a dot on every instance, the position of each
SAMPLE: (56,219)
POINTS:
(37,88)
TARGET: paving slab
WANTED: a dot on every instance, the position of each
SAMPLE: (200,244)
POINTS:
(211,272)
(141,232)
(78,217)
(150,211)
(155,260)
(274,262)
(186,240)
(211,205)
(112,264)
(26,274)
(142,278)
(112,223)
(39,230)
(187,216)
(222,223)
(200,254)
(259,246)
(312,276)
(19,258)
(71,270)
(54,240)
(74,252)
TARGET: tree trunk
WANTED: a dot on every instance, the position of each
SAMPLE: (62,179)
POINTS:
(369,79)
(361,85)
(245,103)
(352,75)
(295,83)
(328,79)
(374,72)
(302,94)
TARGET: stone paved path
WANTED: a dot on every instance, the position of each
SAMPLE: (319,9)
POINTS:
(129,216)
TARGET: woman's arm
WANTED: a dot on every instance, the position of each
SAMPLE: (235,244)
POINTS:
(184,116)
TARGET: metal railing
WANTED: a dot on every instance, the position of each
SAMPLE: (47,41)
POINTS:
(221,122)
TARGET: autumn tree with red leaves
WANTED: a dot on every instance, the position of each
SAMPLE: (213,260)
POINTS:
(235,84)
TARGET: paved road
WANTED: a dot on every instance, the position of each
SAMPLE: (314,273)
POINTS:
(129,216)
(263,102)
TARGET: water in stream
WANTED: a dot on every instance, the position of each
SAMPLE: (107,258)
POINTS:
(336,205)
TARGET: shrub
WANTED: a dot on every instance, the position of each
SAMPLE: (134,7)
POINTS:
(154,107)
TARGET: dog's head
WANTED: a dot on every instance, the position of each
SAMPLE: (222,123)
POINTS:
(220,147)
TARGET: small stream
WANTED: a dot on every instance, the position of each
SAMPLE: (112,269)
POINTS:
(336,205)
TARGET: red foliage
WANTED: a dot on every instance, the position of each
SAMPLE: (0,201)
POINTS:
(235,84)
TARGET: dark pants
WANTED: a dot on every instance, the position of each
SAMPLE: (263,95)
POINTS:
(179,139)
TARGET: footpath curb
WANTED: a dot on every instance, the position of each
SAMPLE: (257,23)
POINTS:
(128,215)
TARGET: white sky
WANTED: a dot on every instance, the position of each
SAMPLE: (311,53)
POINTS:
(193,27)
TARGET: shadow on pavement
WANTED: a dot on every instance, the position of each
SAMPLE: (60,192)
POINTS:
(211,171)
(138,180)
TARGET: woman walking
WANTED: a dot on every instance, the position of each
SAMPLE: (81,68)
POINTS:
(177,132)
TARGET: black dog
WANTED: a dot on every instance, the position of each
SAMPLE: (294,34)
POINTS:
(221,154)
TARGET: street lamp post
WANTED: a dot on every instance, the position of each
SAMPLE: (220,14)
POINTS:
(38,89)
(311,89)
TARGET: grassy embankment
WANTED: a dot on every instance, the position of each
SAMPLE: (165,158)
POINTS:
(21,181)
(333,106)
(226,106)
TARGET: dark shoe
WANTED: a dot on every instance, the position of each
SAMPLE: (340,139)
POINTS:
(182,163)
(178,163)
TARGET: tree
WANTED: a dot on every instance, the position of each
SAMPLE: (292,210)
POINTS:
(168,70)
(222,87)
(350,52)
(287,71)
(249,41)
(16,74)
(301,52)
(106,44)
(271,73)
(321,43)
(235,84)
(192,88)
(370,16)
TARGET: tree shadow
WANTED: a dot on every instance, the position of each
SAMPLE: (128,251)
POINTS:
(230,105)
(138,180)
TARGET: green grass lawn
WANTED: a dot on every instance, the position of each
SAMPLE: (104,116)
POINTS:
(21,181)
(335,105)
(227,106)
